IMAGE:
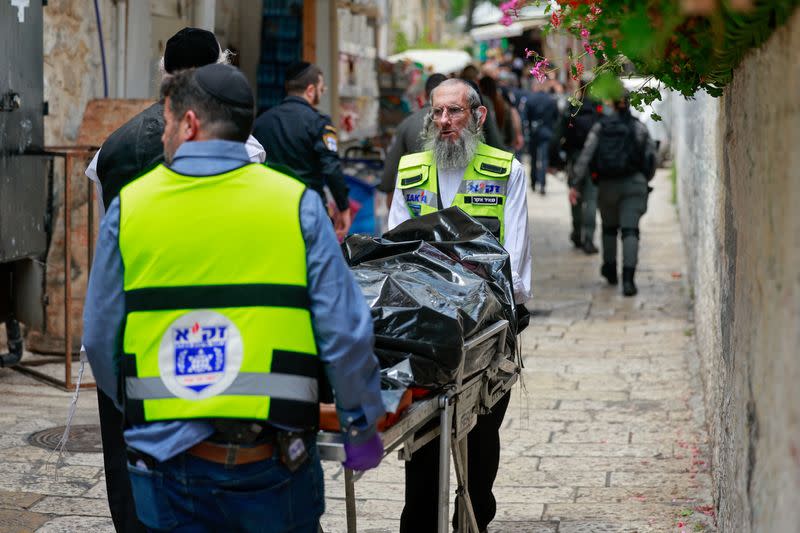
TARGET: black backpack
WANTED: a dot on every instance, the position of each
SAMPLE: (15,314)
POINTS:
(617,152)
(579,126)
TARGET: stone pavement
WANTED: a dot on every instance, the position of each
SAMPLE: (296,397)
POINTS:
(607,434)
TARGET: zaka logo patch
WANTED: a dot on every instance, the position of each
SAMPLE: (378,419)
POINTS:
(200,355)
(484,187)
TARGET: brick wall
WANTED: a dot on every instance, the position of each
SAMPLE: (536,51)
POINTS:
(739,191)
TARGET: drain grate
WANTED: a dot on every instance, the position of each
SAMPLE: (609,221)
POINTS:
(82,438)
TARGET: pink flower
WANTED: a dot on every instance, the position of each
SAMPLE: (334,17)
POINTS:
(555,19)
(577,71)
(595,9)
(584,34)
(529,53)
(509,10)
(539,70)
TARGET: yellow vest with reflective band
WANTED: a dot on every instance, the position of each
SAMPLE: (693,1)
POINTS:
(481,193)
(217,307)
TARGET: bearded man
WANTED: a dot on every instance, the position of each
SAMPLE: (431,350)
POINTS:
(458,169)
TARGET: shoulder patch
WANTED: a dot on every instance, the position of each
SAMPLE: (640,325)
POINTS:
(330,140)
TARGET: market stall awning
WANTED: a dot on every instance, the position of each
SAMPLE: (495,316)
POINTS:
(499,31)
(443,61)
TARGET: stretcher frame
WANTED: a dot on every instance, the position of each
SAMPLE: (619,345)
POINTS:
(456,406)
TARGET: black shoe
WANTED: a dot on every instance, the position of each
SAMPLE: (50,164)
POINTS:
(576,239)
(589,248)
(628,287)
(541,190)
(609,271)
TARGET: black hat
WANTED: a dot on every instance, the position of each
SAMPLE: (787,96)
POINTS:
(296,69)
(190,48)
(225,83)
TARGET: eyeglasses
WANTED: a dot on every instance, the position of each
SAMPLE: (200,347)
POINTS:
(453,111)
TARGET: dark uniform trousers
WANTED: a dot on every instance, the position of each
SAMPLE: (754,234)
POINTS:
(622,202)
(422,475)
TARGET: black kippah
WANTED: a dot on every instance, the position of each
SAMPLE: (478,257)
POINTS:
(474,86)
(225,83)
(190,48)
(296,69)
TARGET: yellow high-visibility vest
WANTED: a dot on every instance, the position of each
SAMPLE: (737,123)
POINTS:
(481,194)
(217,307)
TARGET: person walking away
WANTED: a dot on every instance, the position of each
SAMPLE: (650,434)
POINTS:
(509,128)
(458,169)
(211,311)
(125,155)
(301,138)
(491,131)
(620,152)
(571,135)
(407,139)
(541,113)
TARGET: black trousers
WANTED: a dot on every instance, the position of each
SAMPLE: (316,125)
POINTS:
(422,475)
(115,460)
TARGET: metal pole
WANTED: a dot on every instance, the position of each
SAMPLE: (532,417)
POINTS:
(67,274)
(445,427)
(350,500)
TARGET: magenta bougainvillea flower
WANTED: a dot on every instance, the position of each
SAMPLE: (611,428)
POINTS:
(539,70)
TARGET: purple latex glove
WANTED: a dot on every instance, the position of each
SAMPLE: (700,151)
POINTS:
(365,455)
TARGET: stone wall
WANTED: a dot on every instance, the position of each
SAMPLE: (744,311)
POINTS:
(739,192)
(73,72)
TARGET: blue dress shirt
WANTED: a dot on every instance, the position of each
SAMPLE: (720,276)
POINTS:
(340,316)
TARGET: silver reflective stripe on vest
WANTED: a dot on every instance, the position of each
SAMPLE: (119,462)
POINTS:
(421,196)
(497,187)
(283,386)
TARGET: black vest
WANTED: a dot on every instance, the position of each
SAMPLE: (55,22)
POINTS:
(129,151)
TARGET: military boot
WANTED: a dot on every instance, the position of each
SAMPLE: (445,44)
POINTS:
(628,287)
(609,271)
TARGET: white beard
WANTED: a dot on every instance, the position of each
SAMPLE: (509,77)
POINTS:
(453,154)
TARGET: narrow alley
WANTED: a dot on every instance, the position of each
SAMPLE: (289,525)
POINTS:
(607,433)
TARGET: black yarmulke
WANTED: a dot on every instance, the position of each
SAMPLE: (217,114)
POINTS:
(474,86)
(190,48)
(225,83)
(296,69)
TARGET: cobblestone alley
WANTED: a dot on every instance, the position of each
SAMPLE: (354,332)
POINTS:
(606,435)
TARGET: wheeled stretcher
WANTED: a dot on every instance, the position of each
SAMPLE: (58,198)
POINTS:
(455,406)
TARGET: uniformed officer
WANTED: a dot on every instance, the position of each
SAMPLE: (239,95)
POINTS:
(621,154)
(301,138)
(571,135)
(458,169)
(217,296)
(128,152)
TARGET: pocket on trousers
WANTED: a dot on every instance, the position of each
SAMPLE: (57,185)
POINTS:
(152,502)
(264,510)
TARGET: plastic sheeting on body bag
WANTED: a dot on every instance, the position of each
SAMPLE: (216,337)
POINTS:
(432,283)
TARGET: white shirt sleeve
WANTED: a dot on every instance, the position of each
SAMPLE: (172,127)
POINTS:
(91,173)
(255,151)
(517,238)
(398,212)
